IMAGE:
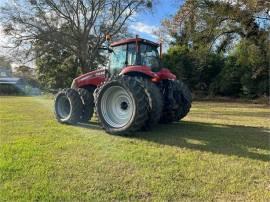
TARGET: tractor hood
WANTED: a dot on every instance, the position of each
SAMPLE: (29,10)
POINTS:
(93,78)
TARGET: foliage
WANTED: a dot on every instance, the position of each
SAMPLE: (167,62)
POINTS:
(197,68)
(215,24)
(7,89)
(227,82)
(79,26)
(56,70)
(221,47)
(255,67)
(28,74)
(24,71)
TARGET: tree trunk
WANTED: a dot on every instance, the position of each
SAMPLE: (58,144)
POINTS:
(83,66)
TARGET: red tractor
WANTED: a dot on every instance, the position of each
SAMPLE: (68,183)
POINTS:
(133,93)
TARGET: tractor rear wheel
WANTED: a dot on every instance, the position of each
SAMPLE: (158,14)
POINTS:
(87,99)
(155,101)
(186,100)
(183,99)
(122,105)
(68,106)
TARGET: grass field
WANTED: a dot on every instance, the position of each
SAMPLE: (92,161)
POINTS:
(219,152)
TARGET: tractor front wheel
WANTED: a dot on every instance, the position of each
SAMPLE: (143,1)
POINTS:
(122,105)
(68,106)
(87,99)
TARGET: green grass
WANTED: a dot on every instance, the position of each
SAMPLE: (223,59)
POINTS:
(220,151)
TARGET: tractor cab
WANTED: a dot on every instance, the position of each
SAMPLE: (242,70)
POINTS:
(134,52)
(134,56)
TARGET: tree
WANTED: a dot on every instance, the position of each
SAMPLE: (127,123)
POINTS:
(27,74)
(56,69)
(221,47)
(254,60)
(24,71)
(78,26)
(217,24)
(198,68)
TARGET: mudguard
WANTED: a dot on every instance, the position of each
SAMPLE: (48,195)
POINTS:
(163,74)
(139,69)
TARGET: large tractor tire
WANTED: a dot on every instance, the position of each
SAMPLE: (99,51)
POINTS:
(155,102)
(186,100)
(122,105)
(68,106)
(87,99)
(183,99)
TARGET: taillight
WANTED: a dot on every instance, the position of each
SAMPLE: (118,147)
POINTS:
(155,79)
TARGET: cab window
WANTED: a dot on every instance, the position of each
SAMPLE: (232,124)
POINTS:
(118,58)
(149,56)
(131,54)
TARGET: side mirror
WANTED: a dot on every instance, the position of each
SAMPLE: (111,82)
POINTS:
(110,50)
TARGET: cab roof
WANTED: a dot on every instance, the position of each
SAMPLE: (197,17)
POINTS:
(133,40)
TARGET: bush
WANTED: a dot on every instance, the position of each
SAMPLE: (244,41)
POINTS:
(227,82)
(197,68)
(55,73)
(8,89)
(244,72)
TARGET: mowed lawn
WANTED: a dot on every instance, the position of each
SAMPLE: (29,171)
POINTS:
(219,152)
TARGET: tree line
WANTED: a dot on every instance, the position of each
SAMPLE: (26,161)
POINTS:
(218,47)
(221,47)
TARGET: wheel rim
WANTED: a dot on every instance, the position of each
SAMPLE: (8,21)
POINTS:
(63,107)
(117,107)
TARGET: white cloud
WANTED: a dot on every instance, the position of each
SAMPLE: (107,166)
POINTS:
(144,29)
(148,31)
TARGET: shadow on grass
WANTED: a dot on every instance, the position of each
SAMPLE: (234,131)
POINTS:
(248,142)
(242,141)
(89,125)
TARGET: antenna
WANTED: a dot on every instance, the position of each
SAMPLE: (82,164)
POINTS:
(160,45)
(108,39)
(137,45)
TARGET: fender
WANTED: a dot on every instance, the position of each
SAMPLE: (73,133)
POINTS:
(139,69)
(165,73)
(93,78)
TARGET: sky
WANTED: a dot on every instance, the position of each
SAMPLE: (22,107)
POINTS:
(145,23)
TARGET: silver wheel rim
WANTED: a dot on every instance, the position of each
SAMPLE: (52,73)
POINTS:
(117,107)
(63,107)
